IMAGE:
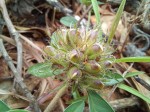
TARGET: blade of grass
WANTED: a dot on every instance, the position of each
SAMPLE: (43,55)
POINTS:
(97,14)
(131,74)
(134,92)
(134,59)
(96,11)
(88,23)
(116,21)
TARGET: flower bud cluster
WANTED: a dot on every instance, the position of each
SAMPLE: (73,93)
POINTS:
(81,53)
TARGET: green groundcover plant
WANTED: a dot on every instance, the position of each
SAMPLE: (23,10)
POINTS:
(85,59)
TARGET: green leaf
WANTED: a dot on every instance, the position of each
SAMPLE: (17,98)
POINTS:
(114,78)
(134,59)
(83,98)
(77,106)
(116,21)
(17,110)
(134,92)
(69,21)
(44,70)
(111,79)
(131,74)
(96,11)
(97,103)
(3,106)
(86,2)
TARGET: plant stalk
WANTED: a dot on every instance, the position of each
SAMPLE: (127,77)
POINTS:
(52,104)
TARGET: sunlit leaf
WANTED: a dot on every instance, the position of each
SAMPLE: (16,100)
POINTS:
(77,106)
(134,92)
(134,59)
(44,70)
(97,103)
(69,21)
(116,21)
(3,107)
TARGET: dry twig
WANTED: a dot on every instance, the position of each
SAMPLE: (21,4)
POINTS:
(52,104)
(84,14)
(124,103)
(13,33)
(17,72)
(19,79)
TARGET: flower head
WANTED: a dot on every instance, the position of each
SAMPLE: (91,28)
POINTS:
(81,53)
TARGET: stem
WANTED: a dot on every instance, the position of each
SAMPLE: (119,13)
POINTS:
(52,104)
